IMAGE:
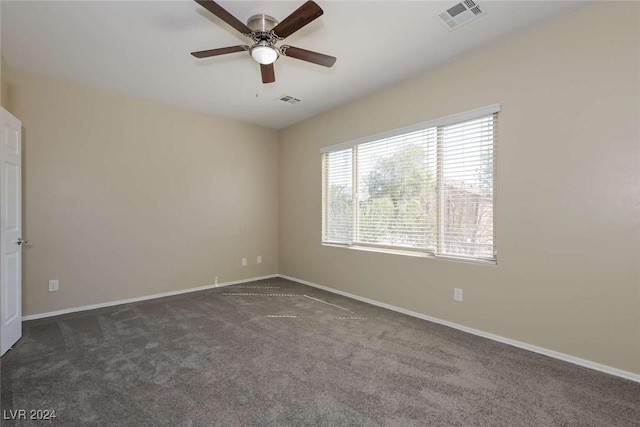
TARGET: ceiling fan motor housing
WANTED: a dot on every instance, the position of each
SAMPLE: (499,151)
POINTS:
(262,23)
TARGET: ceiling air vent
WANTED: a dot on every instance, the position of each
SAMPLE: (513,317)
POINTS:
(288,99)
(461,13)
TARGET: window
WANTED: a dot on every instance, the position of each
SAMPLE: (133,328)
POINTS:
(427,188)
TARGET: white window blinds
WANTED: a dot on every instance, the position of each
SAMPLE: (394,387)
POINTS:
(339,196)
(426,188)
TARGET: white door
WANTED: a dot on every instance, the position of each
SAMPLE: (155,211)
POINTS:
(10,230)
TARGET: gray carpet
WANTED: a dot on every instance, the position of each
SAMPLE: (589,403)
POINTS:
(264,354)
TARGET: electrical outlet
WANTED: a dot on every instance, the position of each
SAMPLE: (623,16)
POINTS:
(54,285)
(457,294)
(259,259)
(244,262)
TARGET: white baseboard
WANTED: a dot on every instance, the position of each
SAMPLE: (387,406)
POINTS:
(142,298)
(540,350)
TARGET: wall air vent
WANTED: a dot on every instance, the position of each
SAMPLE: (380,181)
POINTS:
(287,99)
(461,13)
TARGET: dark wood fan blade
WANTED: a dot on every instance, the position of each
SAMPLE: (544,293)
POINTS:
(221,13)
(298,19)
(268,73)
(308,55)
(221,51)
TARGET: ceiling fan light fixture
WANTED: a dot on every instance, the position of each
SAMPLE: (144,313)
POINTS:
(264,54)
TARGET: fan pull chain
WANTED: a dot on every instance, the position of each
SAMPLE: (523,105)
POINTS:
(257,85)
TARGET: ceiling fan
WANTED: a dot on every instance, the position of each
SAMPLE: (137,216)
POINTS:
(265,31)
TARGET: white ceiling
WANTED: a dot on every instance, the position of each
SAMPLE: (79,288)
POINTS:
(142,48)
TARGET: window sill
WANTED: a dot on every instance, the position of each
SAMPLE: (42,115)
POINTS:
(410,253)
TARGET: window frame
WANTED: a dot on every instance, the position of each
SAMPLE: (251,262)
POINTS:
(490,110)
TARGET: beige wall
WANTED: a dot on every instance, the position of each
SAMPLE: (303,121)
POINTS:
(125,197)
(3,91)
(1,60)
(1,79)
(568,236)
